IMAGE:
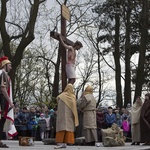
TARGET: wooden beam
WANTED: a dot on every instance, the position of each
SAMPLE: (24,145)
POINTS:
(63,53)
(55,35)
(64,11)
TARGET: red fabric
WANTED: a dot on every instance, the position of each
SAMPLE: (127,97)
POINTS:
(3,58)
(12,135)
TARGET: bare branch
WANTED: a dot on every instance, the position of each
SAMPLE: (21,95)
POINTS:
(30,2)
(58,2)
(47,60)
(65,2)
(15,25)
(42,1)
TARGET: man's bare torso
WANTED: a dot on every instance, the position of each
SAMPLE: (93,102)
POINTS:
(71,55)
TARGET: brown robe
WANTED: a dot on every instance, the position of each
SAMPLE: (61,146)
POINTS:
(145,122)
(88,106)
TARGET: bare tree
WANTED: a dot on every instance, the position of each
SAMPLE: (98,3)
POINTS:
(127,16)
(21,32)
(144,24)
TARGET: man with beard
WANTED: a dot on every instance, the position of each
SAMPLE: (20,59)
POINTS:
(71,58)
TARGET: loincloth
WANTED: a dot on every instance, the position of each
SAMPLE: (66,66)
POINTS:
(70,71)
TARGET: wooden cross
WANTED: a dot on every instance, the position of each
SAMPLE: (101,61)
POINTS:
(55,35)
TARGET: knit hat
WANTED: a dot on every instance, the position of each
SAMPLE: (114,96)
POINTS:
(3,61)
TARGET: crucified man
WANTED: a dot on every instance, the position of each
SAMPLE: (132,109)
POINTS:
(71,57)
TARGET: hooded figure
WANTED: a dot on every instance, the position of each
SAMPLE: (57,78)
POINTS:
(67,117)
(145,120)
(88,107)
(135,121)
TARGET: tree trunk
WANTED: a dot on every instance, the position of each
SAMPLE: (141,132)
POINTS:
(99,77)
(116,54)
(55,91)
(143,44)
(26,37)
(127,88)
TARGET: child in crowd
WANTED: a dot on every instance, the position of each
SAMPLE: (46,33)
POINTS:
(48,128)
(42,125)
(118,118)
(33,127)
(125,126)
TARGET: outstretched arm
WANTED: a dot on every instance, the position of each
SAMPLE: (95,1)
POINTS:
(65,45)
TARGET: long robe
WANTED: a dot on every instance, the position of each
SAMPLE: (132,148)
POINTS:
(145,121)
(88,106)
(135,122)
(67,117)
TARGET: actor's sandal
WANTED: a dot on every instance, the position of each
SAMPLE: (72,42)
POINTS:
(59,146)
(2,145)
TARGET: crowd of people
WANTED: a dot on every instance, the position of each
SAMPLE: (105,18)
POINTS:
(35,122)
(72,118)
(41,123)
(55,123)
(107,116)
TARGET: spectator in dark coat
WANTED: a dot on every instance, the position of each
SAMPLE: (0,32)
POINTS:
(32,114)
(37,118)
(118,118)
(24,119)
(110,117)
(17,122)
(33,127)
(53,124)
(101,124)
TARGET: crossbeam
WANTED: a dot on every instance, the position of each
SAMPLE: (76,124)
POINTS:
(55,35)
(62,49)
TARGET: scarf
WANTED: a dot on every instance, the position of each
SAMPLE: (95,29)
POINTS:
(68,97)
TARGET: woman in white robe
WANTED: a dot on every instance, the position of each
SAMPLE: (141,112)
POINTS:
(135,121)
